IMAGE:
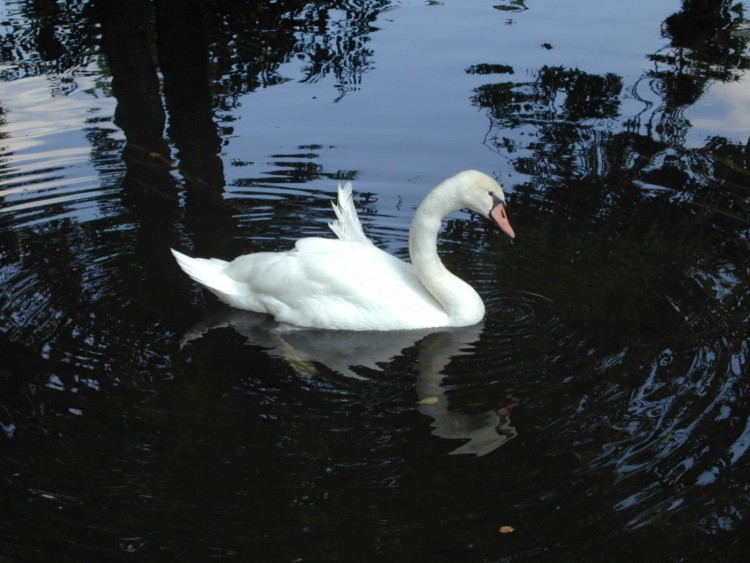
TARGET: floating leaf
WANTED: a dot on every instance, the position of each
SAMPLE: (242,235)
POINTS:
(429,401)
(506,529)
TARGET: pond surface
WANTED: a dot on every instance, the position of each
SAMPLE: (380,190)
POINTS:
(600,412)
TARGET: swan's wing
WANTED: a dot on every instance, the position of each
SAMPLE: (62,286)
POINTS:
(347,225)
(336,284)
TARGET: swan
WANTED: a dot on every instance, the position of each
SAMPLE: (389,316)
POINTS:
(348,283)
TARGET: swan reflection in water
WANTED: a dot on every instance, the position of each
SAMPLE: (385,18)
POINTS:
(340,351)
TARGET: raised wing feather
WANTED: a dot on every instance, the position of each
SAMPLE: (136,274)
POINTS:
(347,225)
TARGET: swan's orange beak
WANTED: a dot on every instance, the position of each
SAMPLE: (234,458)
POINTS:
(500,217)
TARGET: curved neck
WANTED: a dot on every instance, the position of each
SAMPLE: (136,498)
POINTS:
(458,299)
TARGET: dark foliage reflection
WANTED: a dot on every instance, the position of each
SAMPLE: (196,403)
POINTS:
(661,231)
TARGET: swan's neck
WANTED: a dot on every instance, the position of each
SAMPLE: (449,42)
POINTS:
(459,300)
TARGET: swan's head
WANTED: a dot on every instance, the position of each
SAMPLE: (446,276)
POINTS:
(485,196)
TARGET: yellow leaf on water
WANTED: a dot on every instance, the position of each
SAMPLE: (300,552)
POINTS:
(429,401)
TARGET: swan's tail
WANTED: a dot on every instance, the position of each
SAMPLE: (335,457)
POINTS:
(347,226)
(211,274)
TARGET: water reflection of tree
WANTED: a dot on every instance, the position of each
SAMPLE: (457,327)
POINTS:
(343,53)
(660,228)
(178,63)
(244,43)
(174,65)
(56,41)
(247,41)
(705,46)
(640,202)
(585,96)
(646,241)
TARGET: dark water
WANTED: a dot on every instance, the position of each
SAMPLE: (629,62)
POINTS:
(601,410)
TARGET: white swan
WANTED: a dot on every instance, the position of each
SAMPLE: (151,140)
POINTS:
(348,283)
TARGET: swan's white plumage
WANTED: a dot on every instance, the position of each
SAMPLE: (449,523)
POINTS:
(350,284)
(347,225)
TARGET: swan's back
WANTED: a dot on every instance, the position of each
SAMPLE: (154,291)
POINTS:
(336,284)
